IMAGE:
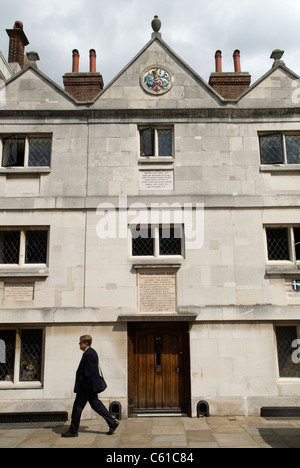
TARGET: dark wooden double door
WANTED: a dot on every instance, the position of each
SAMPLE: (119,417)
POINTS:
(159,367)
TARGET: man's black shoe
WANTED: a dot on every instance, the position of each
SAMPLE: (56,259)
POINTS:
(113,428)
(69,434)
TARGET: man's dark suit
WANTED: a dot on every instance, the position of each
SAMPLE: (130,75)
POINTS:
(87,389)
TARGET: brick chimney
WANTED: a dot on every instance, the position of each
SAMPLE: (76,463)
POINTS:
(229,85)
(83,86)
(17,43)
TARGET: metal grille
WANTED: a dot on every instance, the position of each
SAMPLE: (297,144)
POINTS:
(8,338)
(147,142)
(165,144)
(142,242)
(9,247)
(36,247)
(271,149)
(31,355)
(293,149)
(39,152)
(33,420)
(285,337)
(13,151)
(169,241)
(278,244)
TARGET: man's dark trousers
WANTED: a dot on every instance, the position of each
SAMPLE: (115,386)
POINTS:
(87,387)
(82,398)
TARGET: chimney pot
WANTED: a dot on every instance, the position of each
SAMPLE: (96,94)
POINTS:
(18,25)
(237,61)
(17,43)
(75,67)
(218,58)
(93,61)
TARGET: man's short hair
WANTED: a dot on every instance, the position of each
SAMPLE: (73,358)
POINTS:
(87,339)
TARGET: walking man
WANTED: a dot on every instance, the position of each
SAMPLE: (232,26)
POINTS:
(87,389)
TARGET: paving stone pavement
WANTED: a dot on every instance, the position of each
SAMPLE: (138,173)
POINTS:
(164,432)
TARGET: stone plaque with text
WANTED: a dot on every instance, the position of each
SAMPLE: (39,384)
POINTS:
(157,291)
(18,292)
(156,180)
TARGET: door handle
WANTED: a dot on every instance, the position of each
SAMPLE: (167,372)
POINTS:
(177,370)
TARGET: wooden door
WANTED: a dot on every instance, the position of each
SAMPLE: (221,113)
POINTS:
(159,367)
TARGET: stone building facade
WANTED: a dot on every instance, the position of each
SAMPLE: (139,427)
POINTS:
(163,219)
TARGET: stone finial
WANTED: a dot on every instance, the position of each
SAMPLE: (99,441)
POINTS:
(32,58)
(276,56)
(156,24)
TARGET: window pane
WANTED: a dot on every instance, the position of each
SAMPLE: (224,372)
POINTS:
(293,149)
(31,355)
(36,247)
(7,355)
(170,241)
(142,242)
(147,142)
(13,152)
(285,337)
(165,143)
(297,242)
(9,247)
(271,149)
(39,152)
(278,245)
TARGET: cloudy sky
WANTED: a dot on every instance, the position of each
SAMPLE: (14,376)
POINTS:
(119,29)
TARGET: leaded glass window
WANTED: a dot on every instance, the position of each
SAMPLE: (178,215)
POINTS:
(157,241)
(280,149)
(156,142)
(21,355)
(283,243)
(24,151)
(278,244)
(23,246)
(31,353)
(7,355)
(286,337)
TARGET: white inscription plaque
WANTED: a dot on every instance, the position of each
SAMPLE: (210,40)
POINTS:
(18,292)
(157,180)
(157,291)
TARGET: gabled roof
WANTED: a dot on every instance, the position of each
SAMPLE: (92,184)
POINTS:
(156,38)
(44,78)
(279,65)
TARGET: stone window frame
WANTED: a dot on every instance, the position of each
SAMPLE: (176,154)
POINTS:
(290,378)
(294,256)
(17,382)
(22,244)
(25,167)
(156,245)
(155,158)
(278,167)
(284,267)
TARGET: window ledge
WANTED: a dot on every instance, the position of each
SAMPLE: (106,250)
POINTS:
(157,263)
(156,160)
(285,269)
(22,272)
(288,380)
(280,168)
(25,170)
(28,385)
